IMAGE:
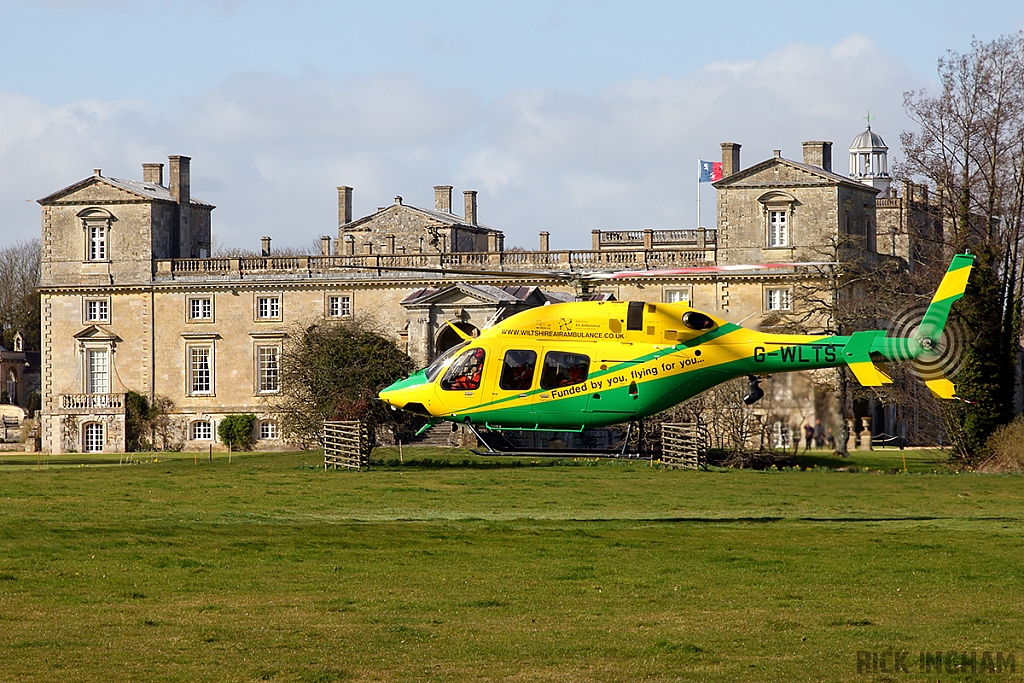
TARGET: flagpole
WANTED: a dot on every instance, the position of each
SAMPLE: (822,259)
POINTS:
(698,194)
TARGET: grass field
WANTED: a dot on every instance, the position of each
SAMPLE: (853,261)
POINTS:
(453,567)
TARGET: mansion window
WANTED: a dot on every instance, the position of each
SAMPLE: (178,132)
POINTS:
(202,430)
(97,243)
(677,295)
(269,430)
(268,308)
(97,311)
(267,367)
(200,308)
(778,228)
(778,299)
(200,370)
(97,370)
(92,437)
(339,306)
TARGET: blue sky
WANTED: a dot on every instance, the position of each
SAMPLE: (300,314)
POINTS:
(566,117)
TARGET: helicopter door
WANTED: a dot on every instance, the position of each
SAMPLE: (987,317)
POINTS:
(563,390)
(461,383)
(516,377)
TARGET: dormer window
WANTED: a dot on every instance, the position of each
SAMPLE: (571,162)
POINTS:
(778,230)
(778,208)
(97,243)
(96,223)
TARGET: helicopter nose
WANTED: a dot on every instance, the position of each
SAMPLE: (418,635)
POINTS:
(415,399)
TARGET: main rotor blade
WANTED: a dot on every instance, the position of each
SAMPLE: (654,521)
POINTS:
(699,270)
(569,275)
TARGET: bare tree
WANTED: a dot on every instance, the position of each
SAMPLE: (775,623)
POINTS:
(970,150)
(19,298)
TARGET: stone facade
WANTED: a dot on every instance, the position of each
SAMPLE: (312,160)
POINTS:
(781,210)
(131,300)
(401,229)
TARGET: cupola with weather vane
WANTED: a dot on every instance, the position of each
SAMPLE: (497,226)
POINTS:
(868,160)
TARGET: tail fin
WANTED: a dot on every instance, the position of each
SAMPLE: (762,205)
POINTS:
(952,287)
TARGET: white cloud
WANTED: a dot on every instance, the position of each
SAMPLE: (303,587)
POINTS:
(269,150)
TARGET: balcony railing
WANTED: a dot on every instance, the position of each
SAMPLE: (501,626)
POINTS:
(699,238)
(107,403)
(359,265)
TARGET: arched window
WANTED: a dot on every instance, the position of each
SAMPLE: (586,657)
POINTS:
(92,437)
(202,430)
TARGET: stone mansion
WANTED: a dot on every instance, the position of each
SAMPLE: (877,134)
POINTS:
(133,301)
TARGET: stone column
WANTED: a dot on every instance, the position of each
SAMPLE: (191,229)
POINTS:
(544,241)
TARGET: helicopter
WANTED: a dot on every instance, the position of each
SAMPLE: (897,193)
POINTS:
(589,364)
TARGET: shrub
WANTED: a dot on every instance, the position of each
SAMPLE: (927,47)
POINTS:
(137,416)
(1005,448)
(236,430)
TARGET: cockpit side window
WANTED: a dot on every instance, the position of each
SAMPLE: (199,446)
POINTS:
(563,369)
(517,370)
(434,369)
(464,374)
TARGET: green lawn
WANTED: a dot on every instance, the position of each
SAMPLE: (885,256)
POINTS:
(464,568)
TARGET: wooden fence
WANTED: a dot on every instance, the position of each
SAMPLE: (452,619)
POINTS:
(346,444)
(683,445)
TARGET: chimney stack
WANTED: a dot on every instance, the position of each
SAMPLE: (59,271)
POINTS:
(818,153)
(344,205)
(325,245)
(265,244)
(470,197)
(443,198)
(730,158)
(180,188)
(545,242)
(153,173)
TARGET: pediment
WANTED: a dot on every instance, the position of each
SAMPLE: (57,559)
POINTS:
(94,190)
(781,172)
(97,333)
(459,295)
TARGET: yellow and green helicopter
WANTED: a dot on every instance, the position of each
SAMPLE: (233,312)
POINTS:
(588,364)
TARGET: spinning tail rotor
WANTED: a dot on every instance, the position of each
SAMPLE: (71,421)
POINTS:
(937,345)
(940,355)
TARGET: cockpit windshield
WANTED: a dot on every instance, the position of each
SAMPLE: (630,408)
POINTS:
(434,369)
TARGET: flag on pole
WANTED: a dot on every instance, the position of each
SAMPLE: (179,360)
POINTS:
(710,171)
